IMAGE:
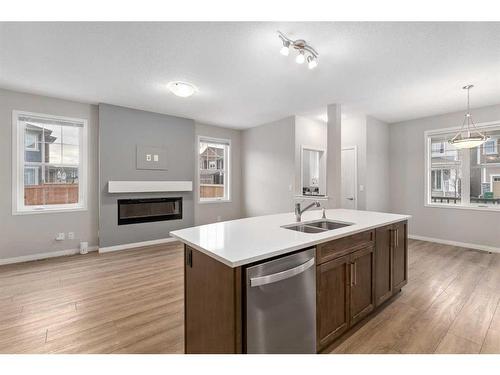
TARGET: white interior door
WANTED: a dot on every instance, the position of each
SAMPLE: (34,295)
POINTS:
(349,178)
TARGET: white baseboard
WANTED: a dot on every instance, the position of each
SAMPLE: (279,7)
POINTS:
(456,243)
(132,245)
(40,256)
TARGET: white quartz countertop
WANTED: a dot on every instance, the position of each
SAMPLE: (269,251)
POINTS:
(240,242)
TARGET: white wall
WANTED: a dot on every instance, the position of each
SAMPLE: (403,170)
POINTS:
(354,134)
(205,213)
(26,235)
(268,168)
(407,184)
(377,165)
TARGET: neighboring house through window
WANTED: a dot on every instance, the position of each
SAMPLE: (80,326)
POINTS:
(49,171)
(467,177)
(213,169)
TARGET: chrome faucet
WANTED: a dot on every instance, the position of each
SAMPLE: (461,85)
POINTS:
(299,212)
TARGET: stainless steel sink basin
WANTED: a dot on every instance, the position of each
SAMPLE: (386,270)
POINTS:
(317,226)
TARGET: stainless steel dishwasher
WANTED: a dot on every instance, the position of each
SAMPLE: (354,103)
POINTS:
(281,305)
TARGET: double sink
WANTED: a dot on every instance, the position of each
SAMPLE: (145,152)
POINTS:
(317,226)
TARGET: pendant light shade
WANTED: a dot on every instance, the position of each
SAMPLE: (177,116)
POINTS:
(468,136)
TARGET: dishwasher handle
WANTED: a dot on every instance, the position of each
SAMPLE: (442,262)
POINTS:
(275,277)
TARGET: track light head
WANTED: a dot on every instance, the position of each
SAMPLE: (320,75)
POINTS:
(300,59)
(285,50)
(312,62)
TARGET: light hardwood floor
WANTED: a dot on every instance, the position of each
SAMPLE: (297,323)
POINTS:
(132,302)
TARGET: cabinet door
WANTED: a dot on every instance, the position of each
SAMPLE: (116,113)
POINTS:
(400,256)
(211,298)
(362,292)
(383,264)
(332,300)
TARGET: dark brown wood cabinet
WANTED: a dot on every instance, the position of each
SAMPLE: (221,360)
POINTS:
(332,301)
(383,264)
(345,293)
(362,292)
(399,256)
(212,304)
(391,260)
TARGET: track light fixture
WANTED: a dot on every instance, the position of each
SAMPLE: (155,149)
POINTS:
(305,51)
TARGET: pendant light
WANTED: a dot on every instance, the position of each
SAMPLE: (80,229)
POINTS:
(474,137)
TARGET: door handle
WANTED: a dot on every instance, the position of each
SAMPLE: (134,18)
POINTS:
(278,276)
(350,198)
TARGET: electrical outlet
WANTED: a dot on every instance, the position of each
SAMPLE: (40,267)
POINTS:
(60,236)
(148,157)
(71,235)
(155,157)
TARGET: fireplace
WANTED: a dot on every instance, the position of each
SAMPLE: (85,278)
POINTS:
(133,211)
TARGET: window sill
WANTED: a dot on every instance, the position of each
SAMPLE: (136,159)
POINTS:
(215,201)
(48,210)
(313,197)
(459,207)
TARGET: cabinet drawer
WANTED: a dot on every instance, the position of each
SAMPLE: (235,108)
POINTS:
(342,246)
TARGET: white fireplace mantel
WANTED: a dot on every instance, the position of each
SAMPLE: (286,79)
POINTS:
(148,186)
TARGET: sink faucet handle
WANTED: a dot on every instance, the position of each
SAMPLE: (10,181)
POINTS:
(324,214)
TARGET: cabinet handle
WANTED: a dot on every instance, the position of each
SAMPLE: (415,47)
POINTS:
(355,273)
(352,273)
(189,258)
(397,237)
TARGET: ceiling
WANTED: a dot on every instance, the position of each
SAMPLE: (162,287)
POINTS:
(392,71)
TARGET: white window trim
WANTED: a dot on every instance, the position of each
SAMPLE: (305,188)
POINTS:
(36,148)
(227,171)
(35,168)
(495,141)
(492,177)
(427,167)
(18,207)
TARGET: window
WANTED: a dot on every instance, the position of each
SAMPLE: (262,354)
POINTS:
(490,147)
(49,170)
(463,178)
(213,168)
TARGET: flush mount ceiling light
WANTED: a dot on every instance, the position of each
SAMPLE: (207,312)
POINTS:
(304,50)
(473,137)
(182,89)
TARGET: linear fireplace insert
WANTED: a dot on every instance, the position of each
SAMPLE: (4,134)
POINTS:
(133,211)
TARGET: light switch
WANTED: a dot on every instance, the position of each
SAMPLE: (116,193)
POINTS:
(155,157)
(148,157)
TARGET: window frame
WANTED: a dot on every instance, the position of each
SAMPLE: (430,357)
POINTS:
(18,164)
(485,126)
(227,170)
(495,147)
(36,148)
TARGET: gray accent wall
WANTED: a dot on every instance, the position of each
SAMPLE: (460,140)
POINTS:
(268,162)
(120,131)
(31,234)
(407,184)
(212,212)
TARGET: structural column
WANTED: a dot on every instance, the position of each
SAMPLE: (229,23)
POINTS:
(333,162)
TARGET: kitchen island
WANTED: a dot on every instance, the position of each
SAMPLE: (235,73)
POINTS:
(357,268)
